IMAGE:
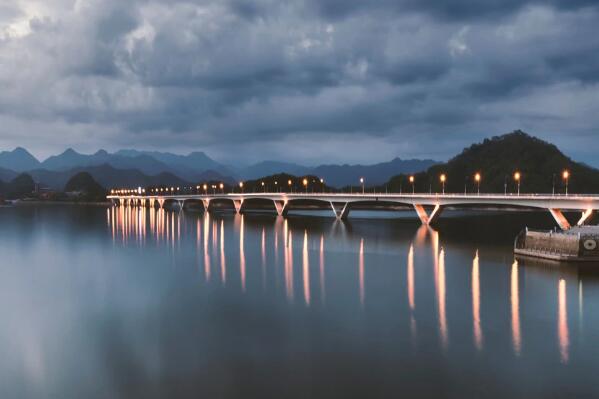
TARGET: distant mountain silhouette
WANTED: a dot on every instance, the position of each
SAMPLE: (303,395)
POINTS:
(19,160)
(7,174)
(497,159)
(269,168)
(344,175)
(71,159)
(340,175)
(190,167)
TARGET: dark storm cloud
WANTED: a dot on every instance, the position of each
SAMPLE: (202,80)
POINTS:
(266,74)
(454,10)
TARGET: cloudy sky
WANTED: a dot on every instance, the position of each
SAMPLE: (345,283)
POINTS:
(308,81)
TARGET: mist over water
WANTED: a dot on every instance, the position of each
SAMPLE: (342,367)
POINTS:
(137,302)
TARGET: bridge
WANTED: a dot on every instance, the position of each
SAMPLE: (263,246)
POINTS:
(428,207)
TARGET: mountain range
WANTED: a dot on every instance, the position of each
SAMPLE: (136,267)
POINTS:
(133,167)
(539,164)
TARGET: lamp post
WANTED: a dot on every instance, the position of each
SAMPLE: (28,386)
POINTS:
(263,186)
(205,187)
(566,177)
(241,187)
(305,183)
(517,177)
(289,184)
(322,184)
(222,188)
(443,178)
(477,178)
(411,178)
(362,183)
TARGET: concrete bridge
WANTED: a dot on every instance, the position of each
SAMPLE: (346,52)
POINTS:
(428,207)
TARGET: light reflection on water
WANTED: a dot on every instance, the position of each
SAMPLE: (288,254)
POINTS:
(348,297)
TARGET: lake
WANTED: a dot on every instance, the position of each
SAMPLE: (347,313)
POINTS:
(138,303)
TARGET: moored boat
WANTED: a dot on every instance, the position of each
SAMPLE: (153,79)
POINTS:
(578,244)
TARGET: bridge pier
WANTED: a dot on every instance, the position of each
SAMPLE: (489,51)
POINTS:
(560,219)
(181,204)
(281,207)
(206,203)
(343,213)
(237,204)
(584,217)
(161,202)
(424,217)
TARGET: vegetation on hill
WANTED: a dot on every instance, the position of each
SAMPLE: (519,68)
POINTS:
(84,187)
(19,187)
(540,164)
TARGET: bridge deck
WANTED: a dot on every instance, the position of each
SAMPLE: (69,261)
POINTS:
(342,203)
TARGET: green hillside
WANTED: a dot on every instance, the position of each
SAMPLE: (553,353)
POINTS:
(540,164)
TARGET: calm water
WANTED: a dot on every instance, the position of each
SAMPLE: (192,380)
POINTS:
(133,303)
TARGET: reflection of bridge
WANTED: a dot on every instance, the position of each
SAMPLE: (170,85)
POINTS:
(341,204)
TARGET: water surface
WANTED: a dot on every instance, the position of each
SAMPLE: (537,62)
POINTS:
(132,302)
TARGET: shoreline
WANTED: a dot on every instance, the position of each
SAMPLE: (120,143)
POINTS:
(37,202)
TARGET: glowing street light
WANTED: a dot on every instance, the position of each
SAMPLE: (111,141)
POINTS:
(566,177)
(477,178)
(517,178)
(263,186)
(443,178)
(289,184)
(222,188)
(205,187)
(322,183)
(362,183)
(241,186)
(305,183)
(411,179)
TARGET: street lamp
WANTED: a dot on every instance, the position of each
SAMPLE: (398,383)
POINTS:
(411,178)
(305,183)
(222,188)
(322,183)
(289,184)
(566,177)
(477,178)
(241,186)
(443,178)
(362,183)
(263,186)
(277,184)
(517,177)
(205,187)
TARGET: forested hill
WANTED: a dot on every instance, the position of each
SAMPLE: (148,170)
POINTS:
(540,164)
